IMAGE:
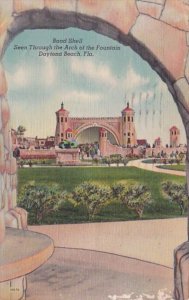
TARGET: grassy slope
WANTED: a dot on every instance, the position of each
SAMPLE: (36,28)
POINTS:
(68,178)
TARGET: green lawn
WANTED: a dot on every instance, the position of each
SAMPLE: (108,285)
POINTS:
(173,167)
(69,177)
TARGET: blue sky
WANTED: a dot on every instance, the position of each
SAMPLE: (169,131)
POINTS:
(89,86)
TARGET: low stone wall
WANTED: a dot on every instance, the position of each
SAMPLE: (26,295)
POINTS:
(37,154)
(114,149)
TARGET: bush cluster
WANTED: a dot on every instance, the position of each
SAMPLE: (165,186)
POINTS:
(41,200)
(91,198)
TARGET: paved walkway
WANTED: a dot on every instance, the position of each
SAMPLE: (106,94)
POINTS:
(153,167)
(149,240)
(87,275)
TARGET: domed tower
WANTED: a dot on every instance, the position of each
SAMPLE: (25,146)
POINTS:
(62,124)
(128,127)
(174,136)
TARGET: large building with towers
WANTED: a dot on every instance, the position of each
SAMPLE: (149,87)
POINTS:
(122,128)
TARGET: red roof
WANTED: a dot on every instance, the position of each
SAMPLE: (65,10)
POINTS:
(61,109)
(142,142)
(127,108)
(173,128)
(102,129)
(69,130)
(158,139)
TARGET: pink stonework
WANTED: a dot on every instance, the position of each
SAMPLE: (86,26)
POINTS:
(67,156)
(2,154)
(2,225)
(5,200)
(14,198)
(7,141)
(2,186)
(68,5)
(187,68)
(13,181)
(23,216)
(103,141)
(17,217)
(10,220)
(24,5)
(9,195)
(160,2)
(174,136)
(7,181)
(2,41)
(151,9)
(182,90)
(5,111)
(176,13)
(6,8)
(123,15)
(158,38)
(122,127)
(3,83)
(11,166)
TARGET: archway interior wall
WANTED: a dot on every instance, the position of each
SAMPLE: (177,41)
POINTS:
(91,135)
(96,123)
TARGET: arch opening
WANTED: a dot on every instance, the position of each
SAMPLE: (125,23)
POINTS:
(91,134)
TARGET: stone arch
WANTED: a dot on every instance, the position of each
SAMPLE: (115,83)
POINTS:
(91,125)
(157,30)
(132,22)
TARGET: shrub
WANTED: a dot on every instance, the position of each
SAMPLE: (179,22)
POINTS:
(93,196)
(135,197)
(177,193)
(39,200)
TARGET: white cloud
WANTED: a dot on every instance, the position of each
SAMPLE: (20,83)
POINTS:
(30,74)
(82,96)
(133,80)
(71,97)
(19,78)
(48,71)
(89,69)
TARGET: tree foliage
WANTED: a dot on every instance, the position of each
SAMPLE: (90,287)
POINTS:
(20,130)
(177,193)
(39,200)
(93,196)
(135,197)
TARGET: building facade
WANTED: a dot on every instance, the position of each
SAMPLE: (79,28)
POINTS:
(174,136)
(122,128)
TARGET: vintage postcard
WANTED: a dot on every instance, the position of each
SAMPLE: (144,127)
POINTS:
(94,167)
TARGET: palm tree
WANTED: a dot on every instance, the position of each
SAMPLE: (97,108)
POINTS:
(20,133)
